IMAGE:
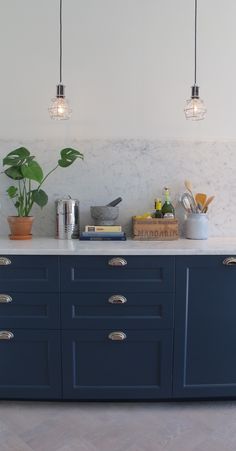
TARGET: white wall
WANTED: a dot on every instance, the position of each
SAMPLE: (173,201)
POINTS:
(128,67)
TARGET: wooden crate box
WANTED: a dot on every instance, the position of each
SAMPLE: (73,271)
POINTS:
(155,229)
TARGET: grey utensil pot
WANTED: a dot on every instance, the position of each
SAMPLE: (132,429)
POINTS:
(196,226)
(67,218)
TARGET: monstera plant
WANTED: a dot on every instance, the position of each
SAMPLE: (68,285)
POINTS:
(29,177)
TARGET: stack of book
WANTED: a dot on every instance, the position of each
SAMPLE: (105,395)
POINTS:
(103,233)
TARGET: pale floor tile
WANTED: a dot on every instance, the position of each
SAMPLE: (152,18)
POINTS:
(11,442)
(25,416)
(49,435)
(200,426)
(78,445)
(212,444)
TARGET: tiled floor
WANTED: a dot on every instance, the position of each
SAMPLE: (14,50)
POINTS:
(202,426)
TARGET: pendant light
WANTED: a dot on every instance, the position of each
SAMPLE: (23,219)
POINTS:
(60,108)
(195,108)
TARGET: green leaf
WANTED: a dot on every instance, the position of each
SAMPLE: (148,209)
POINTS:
(17,204)
(66,163)
(32,171)
(68,156)
(16,157)
(14,172)
(40,197)
(12,191)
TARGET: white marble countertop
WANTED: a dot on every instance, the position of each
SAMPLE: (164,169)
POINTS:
(52,246)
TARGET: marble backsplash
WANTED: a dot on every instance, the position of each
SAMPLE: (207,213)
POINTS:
(136,170)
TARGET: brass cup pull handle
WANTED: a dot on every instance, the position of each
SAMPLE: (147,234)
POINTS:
(5,298)
(117,336)
(117,261)
(6,335)
(117,299)
(229,261)
(4,261)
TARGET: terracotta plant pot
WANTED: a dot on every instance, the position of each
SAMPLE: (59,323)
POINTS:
(20,227)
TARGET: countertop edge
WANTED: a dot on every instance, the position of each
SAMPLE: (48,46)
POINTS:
(52,246)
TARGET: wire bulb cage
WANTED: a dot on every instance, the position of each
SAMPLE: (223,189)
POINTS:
(195,109)
(60,108)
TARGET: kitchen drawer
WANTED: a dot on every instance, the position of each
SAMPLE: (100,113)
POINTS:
(30,310)
(29,273)
(30,365)
(96,367)
(130,310)
(138,274)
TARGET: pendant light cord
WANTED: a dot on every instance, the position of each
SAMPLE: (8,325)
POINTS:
(195,46)
(60,41)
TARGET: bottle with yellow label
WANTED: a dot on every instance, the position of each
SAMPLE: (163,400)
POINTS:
(158,208)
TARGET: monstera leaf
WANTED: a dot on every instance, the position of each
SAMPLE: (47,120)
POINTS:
(40,197)
(68,156)
(32,171)
(17,157)
(12,192)
(14,172)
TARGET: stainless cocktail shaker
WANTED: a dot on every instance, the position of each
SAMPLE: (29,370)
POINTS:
(67,218)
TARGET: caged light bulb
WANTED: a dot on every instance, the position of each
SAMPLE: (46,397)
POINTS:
(195,109)
(60,108)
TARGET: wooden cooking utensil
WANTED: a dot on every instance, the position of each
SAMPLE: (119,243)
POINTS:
(188,186)
(207,203)
(201,198)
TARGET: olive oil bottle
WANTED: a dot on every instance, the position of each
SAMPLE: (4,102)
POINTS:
(168,210)
(158,209)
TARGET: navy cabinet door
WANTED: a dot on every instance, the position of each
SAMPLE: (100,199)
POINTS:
(96,367)
(135,310)
(29,273)
(205,328)
(29,310)
(139,274)
(30,365)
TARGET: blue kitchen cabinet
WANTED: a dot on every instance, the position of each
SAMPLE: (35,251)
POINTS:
(137,366)
(205,327)
(30,364)
(30,350)
(129,327)
(117,327)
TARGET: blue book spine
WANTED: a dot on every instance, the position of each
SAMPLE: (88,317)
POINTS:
(103,234)
(108,238)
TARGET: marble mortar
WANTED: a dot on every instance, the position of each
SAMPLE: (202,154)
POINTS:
(104,215)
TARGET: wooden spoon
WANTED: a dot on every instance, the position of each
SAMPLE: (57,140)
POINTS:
(207,203)
(201,198)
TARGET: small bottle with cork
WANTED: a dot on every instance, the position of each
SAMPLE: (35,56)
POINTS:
(158,209)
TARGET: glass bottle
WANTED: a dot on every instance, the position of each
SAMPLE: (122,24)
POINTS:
(158,209)
(168,210)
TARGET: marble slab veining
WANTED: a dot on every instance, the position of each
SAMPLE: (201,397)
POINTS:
(136,170)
